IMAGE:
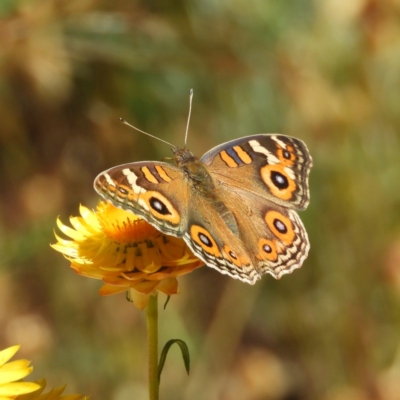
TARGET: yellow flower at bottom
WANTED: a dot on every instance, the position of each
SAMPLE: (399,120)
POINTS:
(125,252)
(53,394)
(11,372)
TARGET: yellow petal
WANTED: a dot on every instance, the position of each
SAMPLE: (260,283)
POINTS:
(64,242)
(139,263)
(116,281)
(168,286)
(13,374)
(55,393)
(130,258)
(73,234)
(67,251)
(136,276)
(89,215)
(152,260)
(8,353)
(79,224)
(107,290)
(139,299)
(17,388)
(174,248)
(145,287)
(15,365)
(158,276)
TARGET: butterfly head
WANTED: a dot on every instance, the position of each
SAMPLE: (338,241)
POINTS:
(183,156)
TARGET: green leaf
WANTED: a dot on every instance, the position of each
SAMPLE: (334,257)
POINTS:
(185,355)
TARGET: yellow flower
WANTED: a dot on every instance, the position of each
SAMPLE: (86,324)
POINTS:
(53,394)
(12,372)
(126,252)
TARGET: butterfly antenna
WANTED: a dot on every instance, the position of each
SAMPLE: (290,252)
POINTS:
(148,134)
(190,112)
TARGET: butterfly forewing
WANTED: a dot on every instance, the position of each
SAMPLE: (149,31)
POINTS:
(152,190)
(273,166)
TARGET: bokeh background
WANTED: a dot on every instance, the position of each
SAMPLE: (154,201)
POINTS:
(325,71)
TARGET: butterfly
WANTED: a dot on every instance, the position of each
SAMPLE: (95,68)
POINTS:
(235,207)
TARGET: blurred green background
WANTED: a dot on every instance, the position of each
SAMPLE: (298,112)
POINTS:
(325,71)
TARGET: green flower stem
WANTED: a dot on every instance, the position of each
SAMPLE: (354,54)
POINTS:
(152,337)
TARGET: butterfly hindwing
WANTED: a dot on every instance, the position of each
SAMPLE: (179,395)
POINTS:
(273,236)
(213,235)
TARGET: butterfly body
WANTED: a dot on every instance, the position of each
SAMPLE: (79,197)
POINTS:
(234,207)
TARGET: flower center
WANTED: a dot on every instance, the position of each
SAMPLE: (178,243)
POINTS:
(124,226)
